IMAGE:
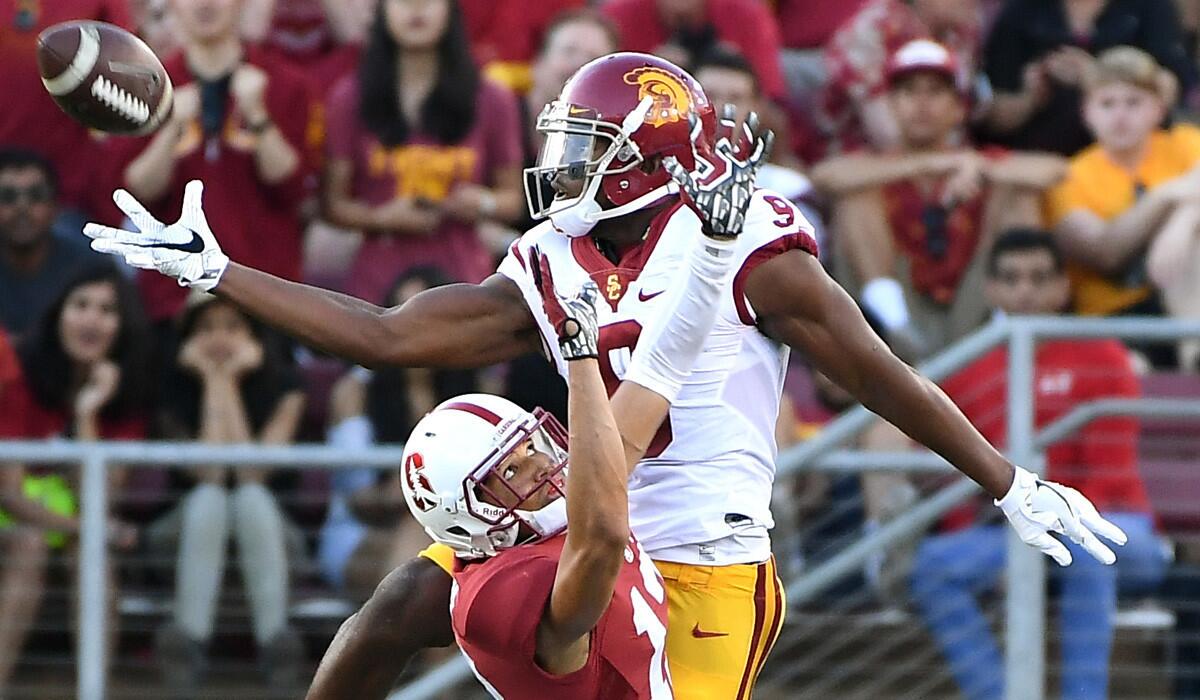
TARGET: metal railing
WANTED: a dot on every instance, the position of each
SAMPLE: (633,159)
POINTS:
(1025,570)
(95,457)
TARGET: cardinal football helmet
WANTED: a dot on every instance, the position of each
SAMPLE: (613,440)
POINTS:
(451,453)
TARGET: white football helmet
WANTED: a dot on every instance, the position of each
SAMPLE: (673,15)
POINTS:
(455,448)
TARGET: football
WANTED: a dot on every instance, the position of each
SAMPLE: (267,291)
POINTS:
(104,77)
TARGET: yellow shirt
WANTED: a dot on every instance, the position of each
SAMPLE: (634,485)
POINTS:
(1095,183)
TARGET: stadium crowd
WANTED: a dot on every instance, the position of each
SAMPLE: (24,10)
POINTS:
(958,158)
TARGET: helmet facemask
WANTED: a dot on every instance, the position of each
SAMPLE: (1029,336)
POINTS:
(580,147)
(504,523)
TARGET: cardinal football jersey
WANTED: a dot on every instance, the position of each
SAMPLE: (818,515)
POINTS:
(496,605)
(715,454)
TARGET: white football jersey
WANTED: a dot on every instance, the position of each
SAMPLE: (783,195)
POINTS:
(715,455)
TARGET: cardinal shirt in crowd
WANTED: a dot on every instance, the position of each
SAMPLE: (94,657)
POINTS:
(427,170)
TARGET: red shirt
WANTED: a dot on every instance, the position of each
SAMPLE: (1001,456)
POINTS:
(1100,460)
(497,604)
(23,418)
(808,24)
(509,30)
(856,58)
(747,24)
(917,221)
(257,224)
(421,167)
(30,118)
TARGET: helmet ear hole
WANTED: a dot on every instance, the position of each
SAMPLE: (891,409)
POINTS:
(458,530)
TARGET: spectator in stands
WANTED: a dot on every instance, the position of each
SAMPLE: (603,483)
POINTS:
(30,118)
(230,385)
(1039,52)
(682,30)
(912,225)
(505,35)
(728,79)
(155,25)
(368,531)
(35,265)
(1026,276)
(805,27)
(80,376)
(1128,213)
(855,111)
(239,124)
(420,150)
(318,38)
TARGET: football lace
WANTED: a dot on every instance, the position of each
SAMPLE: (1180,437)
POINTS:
(120,101)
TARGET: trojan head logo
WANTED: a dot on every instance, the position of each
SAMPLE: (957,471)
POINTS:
(672,100)
(423,496)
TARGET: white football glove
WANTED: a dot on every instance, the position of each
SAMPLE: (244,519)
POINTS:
(186,250)
(1035,508)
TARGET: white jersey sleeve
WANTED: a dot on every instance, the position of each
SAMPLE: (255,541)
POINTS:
(774,226)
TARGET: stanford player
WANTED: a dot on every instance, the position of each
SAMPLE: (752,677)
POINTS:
(699,502)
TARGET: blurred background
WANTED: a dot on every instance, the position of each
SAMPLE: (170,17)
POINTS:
(966,164)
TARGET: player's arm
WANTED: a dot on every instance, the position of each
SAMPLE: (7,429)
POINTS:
(799,304)
(453,326)
(408,612)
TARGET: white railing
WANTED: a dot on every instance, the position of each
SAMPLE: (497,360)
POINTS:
(1025,569)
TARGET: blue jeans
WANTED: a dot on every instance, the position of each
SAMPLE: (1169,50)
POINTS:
(951,570)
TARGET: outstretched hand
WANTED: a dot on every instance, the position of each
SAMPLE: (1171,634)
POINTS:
(186,250)
(720,187)
(1037,508)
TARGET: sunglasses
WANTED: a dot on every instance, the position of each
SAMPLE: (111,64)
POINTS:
(34,194)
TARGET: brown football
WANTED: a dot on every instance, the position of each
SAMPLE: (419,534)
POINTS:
(104,77)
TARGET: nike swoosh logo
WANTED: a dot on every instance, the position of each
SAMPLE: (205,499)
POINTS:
(643,296)
(701,634)
(196,245)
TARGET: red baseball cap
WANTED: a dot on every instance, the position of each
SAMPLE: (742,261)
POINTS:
(923,55)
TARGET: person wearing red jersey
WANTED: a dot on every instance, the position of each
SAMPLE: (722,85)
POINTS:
(240,122)
(618,138)
(79,374)
(1026,276)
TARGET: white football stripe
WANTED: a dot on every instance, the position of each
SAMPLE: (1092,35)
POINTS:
(81,66)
